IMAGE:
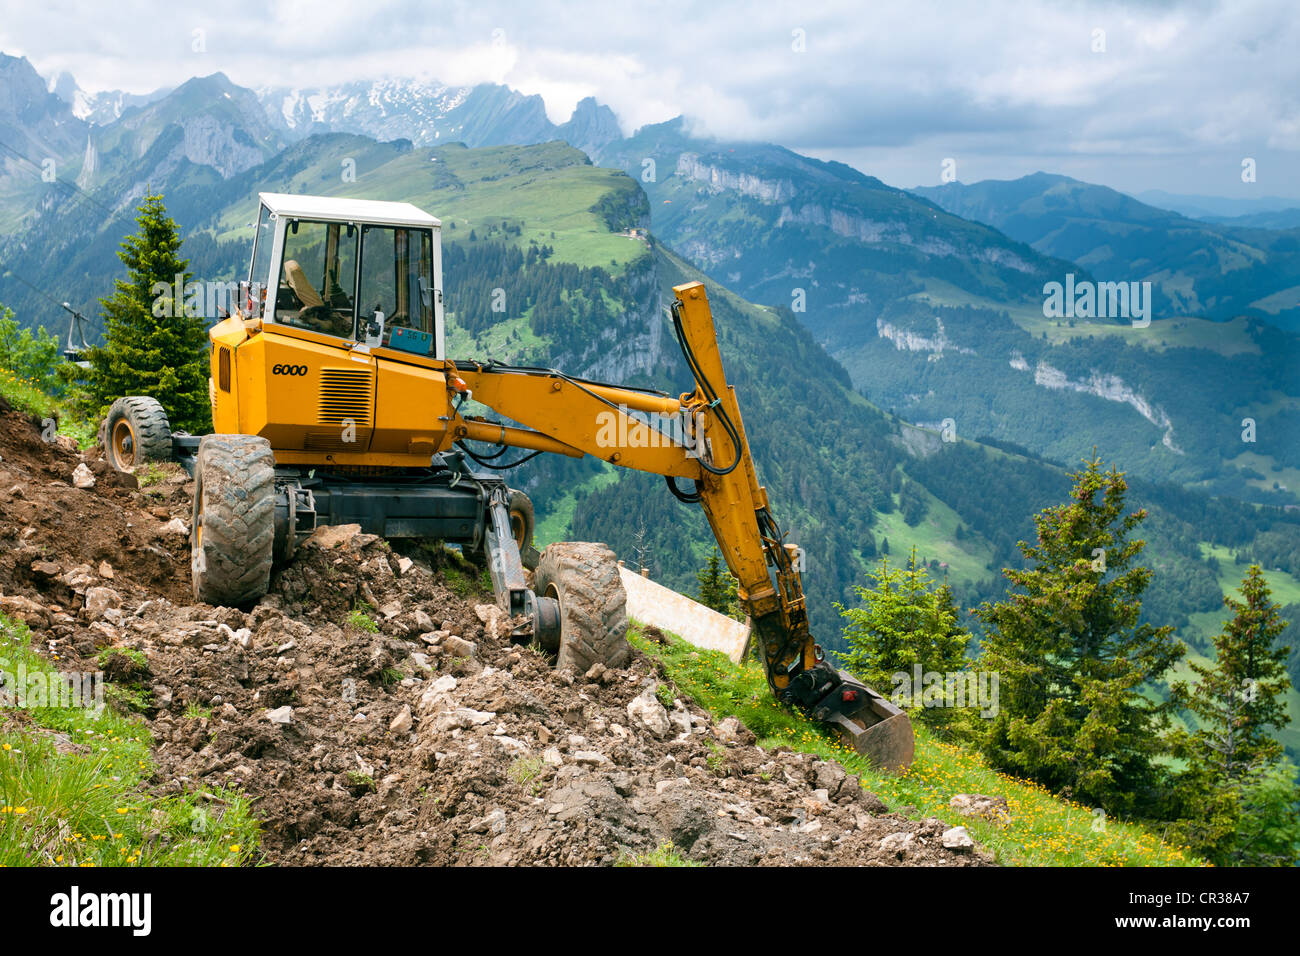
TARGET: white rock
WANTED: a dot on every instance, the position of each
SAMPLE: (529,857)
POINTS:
(646,713)
(462,718)
(281,715)
(552,756)
(957,839)
(897,842)
(403,722)
(590,758)
(176,526)
(83,477)
(99,600)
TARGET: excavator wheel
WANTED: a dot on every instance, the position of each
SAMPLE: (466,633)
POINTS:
(583,577)
(233,527)
(135,431)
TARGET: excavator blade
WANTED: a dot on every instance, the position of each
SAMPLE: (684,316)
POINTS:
(878,730)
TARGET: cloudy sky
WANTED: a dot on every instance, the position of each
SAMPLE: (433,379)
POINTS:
(1164,94)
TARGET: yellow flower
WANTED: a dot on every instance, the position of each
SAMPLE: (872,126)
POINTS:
(234,848)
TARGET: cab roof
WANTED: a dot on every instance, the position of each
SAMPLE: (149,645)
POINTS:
(334,208)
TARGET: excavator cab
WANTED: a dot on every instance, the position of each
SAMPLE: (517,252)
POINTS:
(361,271)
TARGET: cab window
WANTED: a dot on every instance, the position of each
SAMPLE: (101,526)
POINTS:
(397,278)
(318,277)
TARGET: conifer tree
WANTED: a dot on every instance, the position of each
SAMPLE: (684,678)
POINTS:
(903,621)
(717,587)
(1235,793)
(151,345)
(1073,656)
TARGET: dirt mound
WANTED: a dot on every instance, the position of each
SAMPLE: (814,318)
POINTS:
(379,714)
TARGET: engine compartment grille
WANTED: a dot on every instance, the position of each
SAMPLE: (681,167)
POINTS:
(345,393)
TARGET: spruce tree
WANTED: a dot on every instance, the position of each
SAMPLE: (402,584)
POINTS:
(717,587)
(1073,657)
(1239,700)
(903,621)
(1234,780)
(151,346)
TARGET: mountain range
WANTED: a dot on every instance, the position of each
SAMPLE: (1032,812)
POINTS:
(863,325)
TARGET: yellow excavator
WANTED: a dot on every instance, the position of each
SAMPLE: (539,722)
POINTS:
(333,402)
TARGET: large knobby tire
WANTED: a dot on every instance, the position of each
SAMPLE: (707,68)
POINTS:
(583,577)
(136,431)
(233,531)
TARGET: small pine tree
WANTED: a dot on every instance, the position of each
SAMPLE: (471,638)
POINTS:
(717,587)
(1241,698)
(151,345)
(1228,795)
(1073,657)
(903,622)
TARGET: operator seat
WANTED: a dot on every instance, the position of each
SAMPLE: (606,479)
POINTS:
(315,314)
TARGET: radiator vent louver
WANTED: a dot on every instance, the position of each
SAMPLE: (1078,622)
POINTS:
(345,394)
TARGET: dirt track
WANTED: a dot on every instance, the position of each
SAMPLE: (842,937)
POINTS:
(432,740)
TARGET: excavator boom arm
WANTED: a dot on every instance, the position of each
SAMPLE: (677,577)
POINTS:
(708,448)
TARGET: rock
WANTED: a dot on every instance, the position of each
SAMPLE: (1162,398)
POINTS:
(830,777)
(870,802)
(79,578)
(45,569)
(898,843)
(957,839)
(681,719)
(462,718)
(595,672)
(332,535)
(647,714)
(177,527)
(82,477)
(403,722)
(590,758)
(423,622)
(552,756)
(32,614)
(99,600)
(281,715)
(980,805)
(228,711)
(459,647)
(732,731)
(105,570)
(495,621)
(404,565)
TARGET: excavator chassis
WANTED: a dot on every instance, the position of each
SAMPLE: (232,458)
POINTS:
(450,502)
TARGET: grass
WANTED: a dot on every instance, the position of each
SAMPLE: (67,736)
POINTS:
(73,789)
(664,855)
(1041,829)
(359,620)
(32,397)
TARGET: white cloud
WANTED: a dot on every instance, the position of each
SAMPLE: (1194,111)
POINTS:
(1003,84)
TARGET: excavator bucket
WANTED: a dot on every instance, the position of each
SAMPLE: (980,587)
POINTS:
(877,729)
